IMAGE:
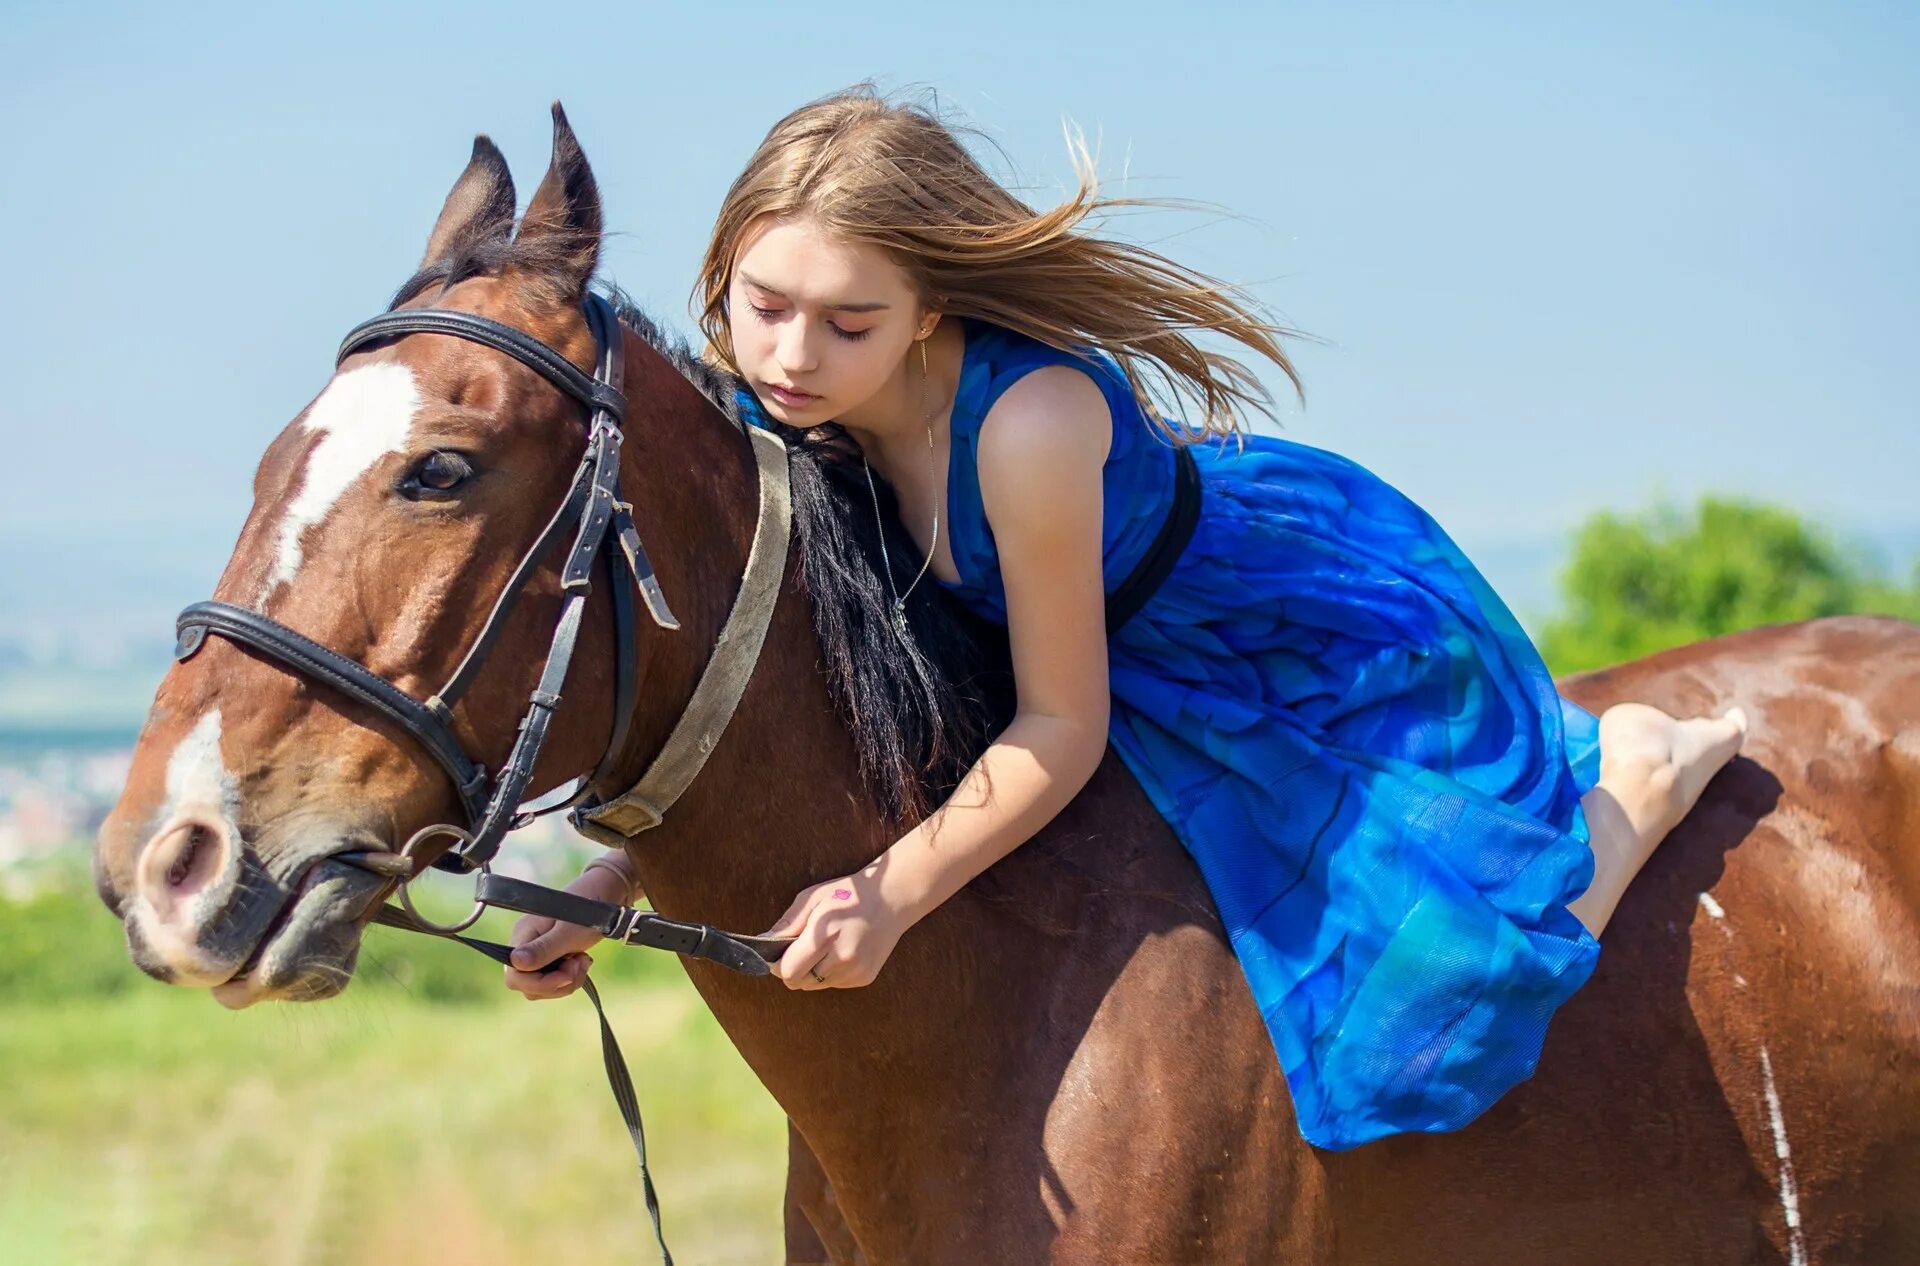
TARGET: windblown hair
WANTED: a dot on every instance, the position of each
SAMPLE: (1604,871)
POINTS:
(920,709)
(898,177)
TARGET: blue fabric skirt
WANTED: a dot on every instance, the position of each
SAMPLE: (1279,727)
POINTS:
(1365,755)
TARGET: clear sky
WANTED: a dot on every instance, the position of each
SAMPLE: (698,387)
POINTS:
(1561,259)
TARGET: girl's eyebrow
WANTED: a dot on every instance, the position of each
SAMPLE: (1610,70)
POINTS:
(831,307)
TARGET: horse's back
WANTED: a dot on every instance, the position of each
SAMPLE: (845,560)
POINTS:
(1737,1083)
(1740,1080)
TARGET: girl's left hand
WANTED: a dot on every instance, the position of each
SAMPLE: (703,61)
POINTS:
(845,932)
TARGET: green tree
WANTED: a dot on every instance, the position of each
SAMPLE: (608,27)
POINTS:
(1643,583)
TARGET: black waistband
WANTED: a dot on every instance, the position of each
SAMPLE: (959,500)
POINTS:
(1160,557)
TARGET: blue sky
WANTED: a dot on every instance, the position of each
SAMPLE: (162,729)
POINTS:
(1561,259)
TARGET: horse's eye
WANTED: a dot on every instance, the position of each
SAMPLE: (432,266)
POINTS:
(436,474)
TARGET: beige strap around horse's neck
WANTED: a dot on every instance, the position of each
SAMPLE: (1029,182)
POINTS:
(729,668)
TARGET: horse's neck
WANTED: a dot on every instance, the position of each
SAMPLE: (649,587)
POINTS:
(779,804)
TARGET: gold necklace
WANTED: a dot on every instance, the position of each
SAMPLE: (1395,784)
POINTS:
(886,562)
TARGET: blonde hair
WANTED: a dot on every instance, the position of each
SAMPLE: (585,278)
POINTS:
(896,176)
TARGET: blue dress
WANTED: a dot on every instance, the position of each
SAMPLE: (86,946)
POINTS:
(1354,739)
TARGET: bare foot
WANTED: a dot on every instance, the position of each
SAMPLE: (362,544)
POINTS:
(1658,766)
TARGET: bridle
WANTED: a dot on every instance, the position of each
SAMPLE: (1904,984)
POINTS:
(604,536)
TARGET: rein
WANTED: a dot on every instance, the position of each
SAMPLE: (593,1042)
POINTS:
(603,536)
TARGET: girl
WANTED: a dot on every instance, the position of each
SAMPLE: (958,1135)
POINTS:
(1412,840)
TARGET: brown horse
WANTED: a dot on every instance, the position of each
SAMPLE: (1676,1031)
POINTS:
(1063,1063)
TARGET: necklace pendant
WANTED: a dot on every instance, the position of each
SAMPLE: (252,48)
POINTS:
(900,617)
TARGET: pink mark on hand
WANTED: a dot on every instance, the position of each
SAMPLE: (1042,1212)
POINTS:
(843,894)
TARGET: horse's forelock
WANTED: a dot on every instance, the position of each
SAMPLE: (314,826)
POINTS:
(537,264)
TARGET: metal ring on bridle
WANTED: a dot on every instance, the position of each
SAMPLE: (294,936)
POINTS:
(426,833)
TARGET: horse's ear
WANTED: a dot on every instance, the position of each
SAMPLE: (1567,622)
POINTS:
(480,206)
(564,215)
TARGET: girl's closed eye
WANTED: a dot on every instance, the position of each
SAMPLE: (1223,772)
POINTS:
(767,314)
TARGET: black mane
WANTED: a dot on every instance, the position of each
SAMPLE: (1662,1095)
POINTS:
(920,709)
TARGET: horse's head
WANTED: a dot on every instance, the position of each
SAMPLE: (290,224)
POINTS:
(386,519)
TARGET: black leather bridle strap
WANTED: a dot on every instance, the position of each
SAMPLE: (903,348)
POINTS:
(626,672)
(550,536)
(281,644)
(626,676)
(529,351)
(606,530)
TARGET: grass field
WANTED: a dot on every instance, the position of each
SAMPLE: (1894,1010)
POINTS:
(145,1124)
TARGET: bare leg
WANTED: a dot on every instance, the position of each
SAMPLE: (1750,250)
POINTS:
(1652,770)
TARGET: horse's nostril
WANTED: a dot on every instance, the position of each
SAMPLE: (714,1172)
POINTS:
(183,860)
(197,839)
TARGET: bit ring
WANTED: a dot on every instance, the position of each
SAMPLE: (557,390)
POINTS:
(426,833)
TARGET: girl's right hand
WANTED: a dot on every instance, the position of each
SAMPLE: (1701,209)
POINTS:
(549,958)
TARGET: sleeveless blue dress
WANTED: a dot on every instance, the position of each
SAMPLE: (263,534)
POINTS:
(1355,741)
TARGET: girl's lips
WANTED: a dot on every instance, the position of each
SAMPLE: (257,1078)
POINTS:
(794,399)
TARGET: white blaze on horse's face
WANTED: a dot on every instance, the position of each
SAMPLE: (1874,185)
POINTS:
(200,789)
(198,780)
(363,415)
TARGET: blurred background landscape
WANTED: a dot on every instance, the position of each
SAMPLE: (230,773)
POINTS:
(1620,295)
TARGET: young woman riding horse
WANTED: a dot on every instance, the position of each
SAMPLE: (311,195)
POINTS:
(1412,839)
(1385,806)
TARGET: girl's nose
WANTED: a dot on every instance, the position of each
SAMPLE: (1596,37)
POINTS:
(795,349)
